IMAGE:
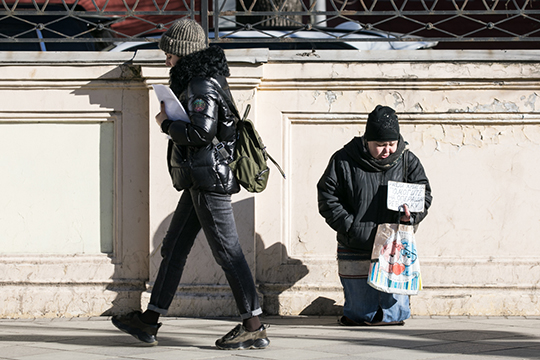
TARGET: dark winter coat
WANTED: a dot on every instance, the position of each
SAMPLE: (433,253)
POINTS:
(352,193)
(192,158)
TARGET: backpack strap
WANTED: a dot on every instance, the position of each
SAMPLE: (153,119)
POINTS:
(227,98)
(277,165)
(219,145)
(233,108)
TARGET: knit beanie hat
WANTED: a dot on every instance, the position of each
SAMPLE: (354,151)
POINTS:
(382,125)
(184,37)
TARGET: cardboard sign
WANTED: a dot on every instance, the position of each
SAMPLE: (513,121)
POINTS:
(399,193)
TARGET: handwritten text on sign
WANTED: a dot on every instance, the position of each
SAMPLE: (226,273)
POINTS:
(400,193)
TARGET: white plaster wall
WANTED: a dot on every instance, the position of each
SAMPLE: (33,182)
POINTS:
(74,186)
(470,116)
(68,160)
(473,124)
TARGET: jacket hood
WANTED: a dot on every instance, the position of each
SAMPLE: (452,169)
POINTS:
(357,150)
(207,63)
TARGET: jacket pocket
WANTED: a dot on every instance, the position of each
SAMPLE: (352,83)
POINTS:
(358,236)
(180,178)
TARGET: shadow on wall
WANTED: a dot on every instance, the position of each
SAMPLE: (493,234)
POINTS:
(323,306)
(201,269)
(276,273)
(281,272)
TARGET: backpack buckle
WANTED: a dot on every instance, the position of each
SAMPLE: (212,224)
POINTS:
(224,154)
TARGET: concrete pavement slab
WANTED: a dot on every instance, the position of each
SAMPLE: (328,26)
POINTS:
(292,338)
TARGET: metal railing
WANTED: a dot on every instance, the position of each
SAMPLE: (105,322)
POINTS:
(100,22)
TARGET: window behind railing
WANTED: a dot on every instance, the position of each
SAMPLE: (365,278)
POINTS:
(95,24)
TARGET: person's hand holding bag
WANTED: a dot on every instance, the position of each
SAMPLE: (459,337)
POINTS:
(407,216)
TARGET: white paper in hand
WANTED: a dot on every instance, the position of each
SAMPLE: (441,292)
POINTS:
(173,108)
(399,193)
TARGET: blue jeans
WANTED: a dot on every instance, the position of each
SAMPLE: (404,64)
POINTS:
(362,302)
(214,214)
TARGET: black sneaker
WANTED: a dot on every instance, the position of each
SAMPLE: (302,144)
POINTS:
(389,323)
(132,324)
(345,321)
(239,338)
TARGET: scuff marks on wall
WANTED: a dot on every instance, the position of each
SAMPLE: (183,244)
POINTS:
(532,134)
(457,136)
(498,106)
(331,97)
(530,101)
(418,107)
(495,106)
(453,138)
(398,100)
(244,98)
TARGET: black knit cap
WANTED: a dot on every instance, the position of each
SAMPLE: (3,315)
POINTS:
(382,125)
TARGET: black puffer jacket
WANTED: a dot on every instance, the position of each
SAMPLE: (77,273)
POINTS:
(193,160)
(352,193)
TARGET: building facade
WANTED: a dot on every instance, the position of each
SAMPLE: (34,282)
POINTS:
(87,197)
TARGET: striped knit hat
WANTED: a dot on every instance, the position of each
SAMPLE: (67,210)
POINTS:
(184,37)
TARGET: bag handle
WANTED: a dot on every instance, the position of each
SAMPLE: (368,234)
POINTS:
(405,155)
(405,165)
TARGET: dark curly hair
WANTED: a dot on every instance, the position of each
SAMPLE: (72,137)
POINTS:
(207,63)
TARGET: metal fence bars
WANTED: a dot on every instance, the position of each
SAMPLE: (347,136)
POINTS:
(94,24)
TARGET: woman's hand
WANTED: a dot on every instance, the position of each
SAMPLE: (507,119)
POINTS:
(407,216)
(162,115)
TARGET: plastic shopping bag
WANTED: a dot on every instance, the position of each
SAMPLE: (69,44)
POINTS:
(395,267)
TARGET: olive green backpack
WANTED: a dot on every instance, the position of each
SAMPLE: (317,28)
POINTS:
(248,162)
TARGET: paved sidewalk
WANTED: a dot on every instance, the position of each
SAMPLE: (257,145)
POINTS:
(292,338)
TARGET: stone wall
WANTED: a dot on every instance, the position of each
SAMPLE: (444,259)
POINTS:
(87,197)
